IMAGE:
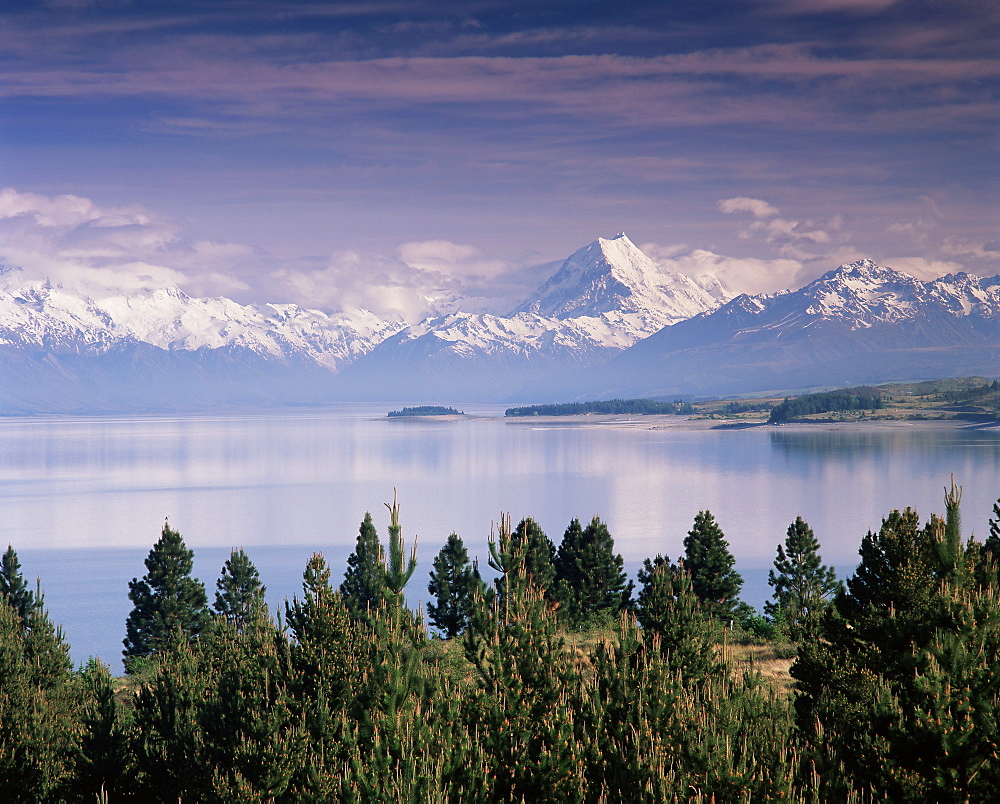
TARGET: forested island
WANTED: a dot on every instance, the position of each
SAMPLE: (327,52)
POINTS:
(559,681)
(424,410)
(609,407)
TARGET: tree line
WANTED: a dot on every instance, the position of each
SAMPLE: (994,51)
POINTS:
(861,398)
(635,407)
(344,695)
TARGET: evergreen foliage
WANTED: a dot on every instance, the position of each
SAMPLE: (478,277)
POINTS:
(860,398)
(456,586)
(590,576)
(398,569)
(507,558)
(668,609)
(633,407)
(14,589)
(240,596)
(710,564)
(105,761)
(803,585)
(539,554)
(898,686)
(992,544)
(424,410)
(363,587)
(168,603)
(898,690)
(40,722)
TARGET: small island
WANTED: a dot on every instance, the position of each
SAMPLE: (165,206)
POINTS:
(425,410)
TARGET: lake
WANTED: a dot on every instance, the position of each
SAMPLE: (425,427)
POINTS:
(83,499)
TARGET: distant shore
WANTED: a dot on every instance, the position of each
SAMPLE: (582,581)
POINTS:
(658,422)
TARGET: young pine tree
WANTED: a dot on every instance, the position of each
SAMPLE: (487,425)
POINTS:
(591,579)
(39,712)
(363,588)
(398,569)
(169,603)
(539,554)
(455,584)
(668,609)
(897,689)
(710,564)
(803,586)
(240,596)
(14,588)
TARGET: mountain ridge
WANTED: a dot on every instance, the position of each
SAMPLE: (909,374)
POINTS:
(858,323)
(607,322)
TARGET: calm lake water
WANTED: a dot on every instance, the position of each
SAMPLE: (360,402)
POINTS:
(83,500)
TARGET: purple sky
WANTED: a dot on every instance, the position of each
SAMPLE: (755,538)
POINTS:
(382,154)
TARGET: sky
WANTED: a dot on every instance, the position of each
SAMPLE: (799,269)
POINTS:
(400,155)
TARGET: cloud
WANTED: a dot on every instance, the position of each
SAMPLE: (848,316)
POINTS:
(808,7)
(426,277)
(792,238)
(755,206)
(923,268)
(453,260)
(102,250)
(738,274)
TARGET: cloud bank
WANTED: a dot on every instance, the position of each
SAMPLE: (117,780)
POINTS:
(107,250)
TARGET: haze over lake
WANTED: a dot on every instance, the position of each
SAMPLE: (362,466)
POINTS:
(83,499)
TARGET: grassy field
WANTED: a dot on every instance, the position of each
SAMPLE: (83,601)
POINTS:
(972,399)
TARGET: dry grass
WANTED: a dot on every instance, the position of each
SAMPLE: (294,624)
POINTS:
(771,661)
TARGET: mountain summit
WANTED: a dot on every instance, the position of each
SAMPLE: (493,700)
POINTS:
(604,298)
(615,277)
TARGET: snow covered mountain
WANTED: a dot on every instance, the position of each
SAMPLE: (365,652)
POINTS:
(59,320)
(608,322)
(613,277)
(604,298)
(859,323)
(63,351)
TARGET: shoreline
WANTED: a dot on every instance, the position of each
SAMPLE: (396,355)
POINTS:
(665,422)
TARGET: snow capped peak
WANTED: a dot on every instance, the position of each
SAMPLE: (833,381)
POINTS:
(614,276)
(863,294)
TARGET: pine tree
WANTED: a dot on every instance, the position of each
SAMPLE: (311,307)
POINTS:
(507,558)
(668,608)
(802,585)
(169,603)
(14,588)
(455,584)
(539,554)
(240,596)
(708,560)
(897,690)
(992,543)
(363,588)
(104,761)
(39,714)
(398,569)
(591,579)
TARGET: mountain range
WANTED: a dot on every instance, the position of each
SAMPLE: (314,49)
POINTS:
(608,322)
(860,323)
